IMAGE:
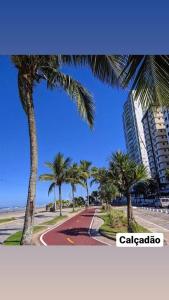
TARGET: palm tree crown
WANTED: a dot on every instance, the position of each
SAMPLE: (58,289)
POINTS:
(32,69)
(99,175)
(148,75)
(125,172)
(74,174)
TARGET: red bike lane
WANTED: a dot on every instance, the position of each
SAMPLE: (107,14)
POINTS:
(73,232)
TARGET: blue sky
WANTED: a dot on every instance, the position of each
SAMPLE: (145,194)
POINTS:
(59,128)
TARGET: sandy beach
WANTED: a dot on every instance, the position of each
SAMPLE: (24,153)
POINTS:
(18,213)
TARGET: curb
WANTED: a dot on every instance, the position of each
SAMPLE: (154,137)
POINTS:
(165,210)
(98,230)
(107,236)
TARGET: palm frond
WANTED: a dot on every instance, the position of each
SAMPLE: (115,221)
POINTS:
(49,165)
(46,177)
(52,186)
(76,92)
(125,172)
(148,76)
(104,67)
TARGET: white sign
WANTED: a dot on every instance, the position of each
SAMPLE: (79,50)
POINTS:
(139,240)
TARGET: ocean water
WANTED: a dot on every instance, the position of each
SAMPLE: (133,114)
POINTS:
(11,208)
(15,208)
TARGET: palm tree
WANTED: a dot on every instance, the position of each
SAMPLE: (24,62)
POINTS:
(58,176)
(74,177)
(50,177)
(32,69)
(100,176)
(148,76)
(108,191)
(125,173)
(85,167)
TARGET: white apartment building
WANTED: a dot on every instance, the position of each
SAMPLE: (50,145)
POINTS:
(134,132)
(156,143)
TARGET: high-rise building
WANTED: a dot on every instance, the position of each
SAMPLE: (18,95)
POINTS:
(156,143)
(166,120)
(134,133)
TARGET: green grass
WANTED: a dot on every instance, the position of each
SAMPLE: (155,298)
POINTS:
(116,222)
(14,239)
(39,228)
(5,220)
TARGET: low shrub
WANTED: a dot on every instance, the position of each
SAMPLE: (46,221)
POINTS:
(116,218)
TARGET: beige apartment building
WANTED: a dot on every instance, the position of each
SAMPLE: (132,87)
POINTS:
(156,138)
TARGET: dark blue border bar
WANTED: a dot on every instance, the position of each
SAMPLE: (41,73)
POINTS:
(84,27)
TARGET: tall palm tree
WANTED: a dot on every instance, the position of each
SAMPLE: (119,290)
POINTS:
(100,177)
(148,75)
(85,167)
(59,168)
(74,177)
(50,177)
(32,69)
(126,173)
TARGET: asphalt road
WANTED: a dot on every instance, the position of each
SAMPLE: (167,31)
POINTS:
(160,219)
(73,232)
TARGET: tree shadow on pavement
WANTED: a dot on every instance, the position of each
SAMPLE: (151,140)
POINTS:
(75,231)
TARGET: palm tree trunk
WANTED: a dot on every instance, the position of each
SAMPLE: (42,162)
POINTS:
(29,213)
(73,198)
(129,212)
(60,199)
(54,205)
(107,206)
(87,194)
